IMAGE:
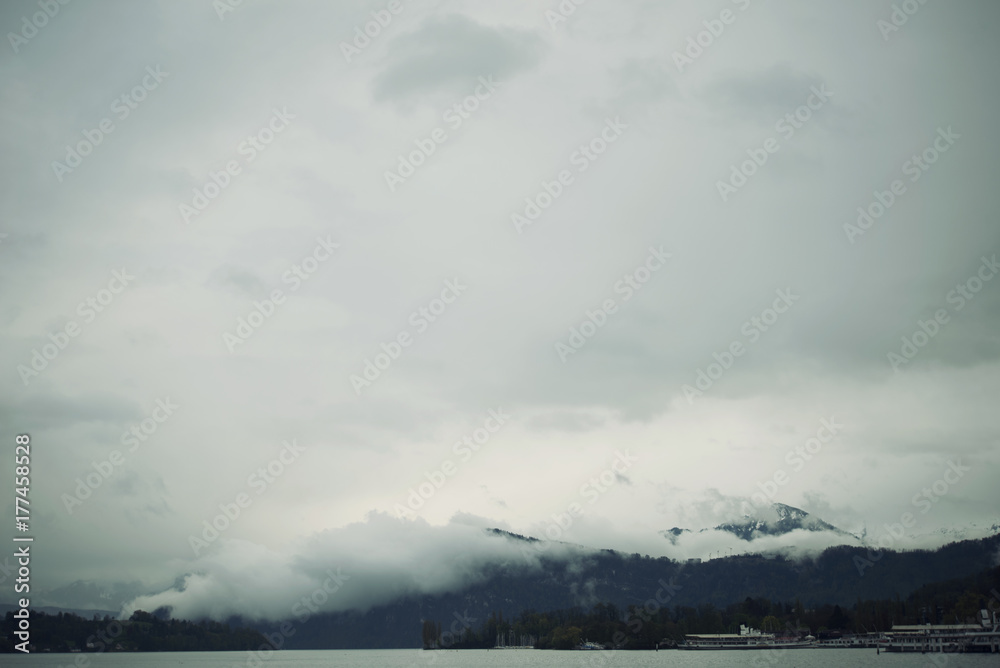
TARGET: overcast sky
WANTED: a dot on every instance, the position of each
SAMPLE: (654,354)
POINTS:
(275,147)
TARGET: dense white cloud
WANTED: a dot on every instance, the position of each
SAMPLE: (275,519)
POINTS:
(276,194)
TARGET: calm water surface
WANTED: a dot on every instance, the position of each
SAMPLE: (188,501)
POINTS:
(412,658)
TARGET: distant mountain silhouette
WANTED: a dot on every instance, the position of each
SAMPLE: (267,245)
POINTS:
(839,575)
(789,518)
(777,519)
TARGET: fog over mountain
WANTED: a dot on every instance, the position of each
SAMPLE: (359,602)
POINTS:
(298,288)
(427,561)
(382,561)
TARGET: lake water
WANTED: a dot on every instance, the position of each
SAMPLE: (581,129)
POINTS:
(413,658)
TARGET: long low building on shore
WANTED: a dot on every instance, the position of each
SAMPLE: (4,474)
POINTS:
(981,637)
